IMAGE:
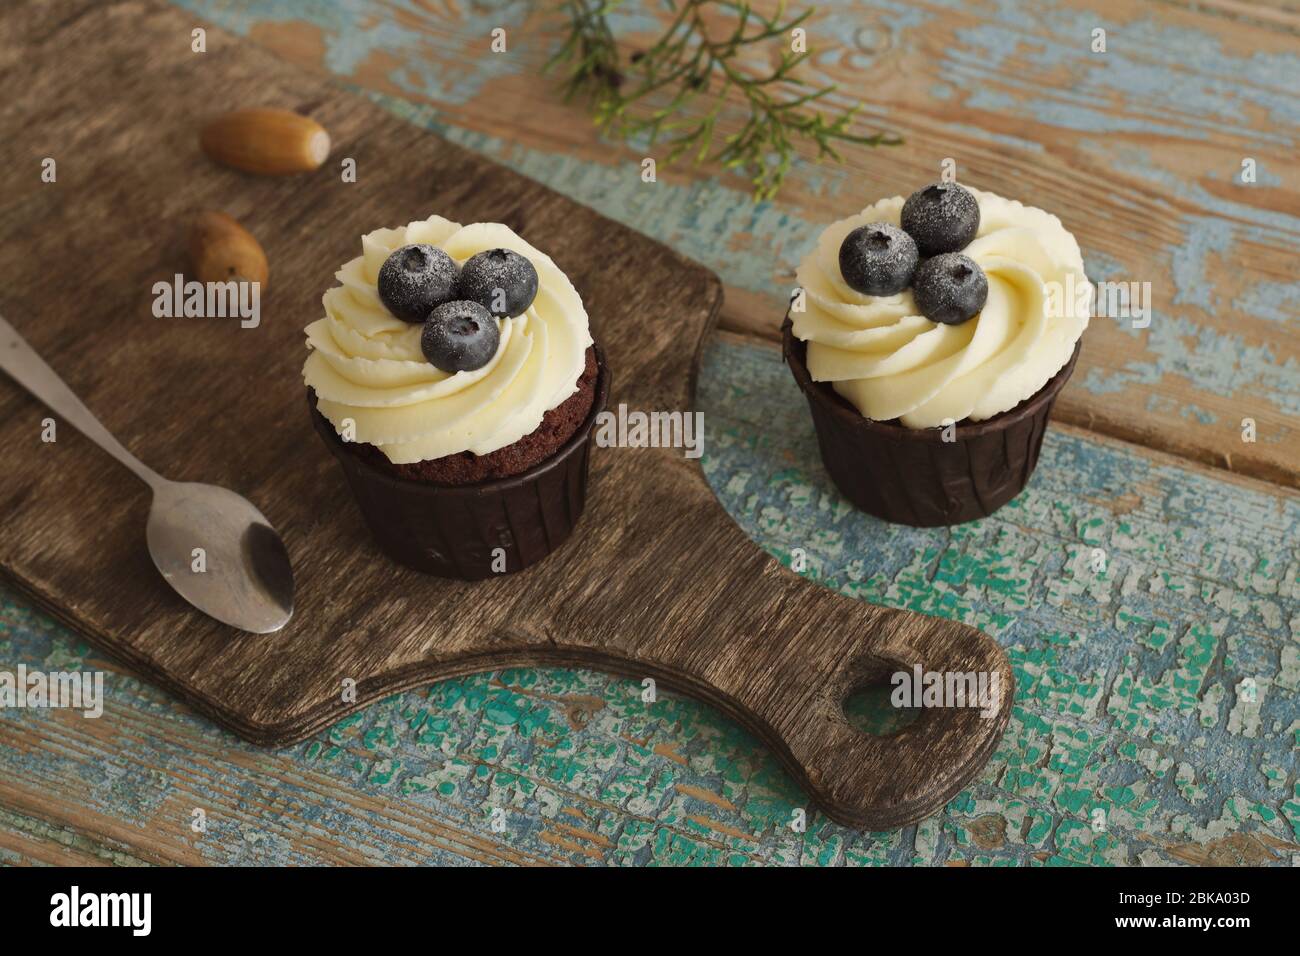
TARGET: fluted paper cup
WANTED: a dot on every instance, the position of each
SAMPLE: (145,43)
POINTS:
(463,531)
(911,475)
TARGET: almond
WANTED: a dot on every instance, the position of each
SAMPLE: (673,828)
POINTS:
(266,140)
(221,250)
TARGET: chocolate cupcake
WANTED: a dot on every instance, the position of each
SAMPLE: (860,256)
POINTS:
(931,337)
(455,380)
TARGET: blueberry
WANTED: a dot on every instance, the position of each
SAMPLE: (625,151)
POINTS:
(460,336)
(942,217)
(949,288)
(878,259)
(500,280)
(413,279)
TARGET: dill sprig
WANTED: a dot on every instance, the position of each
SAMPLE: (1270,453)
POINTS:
(675,92)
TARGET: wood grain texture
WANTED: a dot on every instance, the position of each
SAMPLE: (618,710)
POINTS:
(657,581)
(1138,150)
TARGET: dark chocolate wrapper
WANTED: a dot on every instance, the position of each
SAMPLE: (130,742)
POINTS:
(454,531)
(910,475)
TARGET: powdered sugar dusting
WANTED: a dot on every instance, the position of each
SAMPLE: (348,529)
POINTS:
(941,217)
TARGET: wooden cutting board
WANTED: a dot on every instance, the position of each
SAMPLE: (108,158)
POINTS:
(657,581)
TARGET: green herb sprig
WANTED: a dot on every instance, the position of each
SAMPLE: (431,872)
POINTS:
(648,95)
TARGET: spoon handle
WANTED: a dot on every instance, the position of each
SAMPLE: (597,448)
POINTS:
(29,370)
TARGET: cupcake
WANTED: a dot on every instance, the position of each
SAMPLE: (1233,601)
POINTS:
(455,379)
(931,337)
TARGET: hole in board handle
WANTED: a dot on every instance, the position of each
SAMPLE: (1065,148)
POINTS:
(869,709)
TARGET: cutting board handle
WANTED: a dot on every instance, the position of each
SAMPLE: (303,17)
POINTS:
(698,605)
(884,782)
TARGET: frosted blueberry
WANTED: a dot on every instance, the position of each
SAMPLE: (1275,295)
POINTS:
(950,288)
(942,217)
(878,259)
(460,336)
(414,279)
(500,280)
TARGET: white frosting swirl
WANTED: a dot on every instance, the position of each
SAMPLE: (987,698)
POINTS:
(366,365)
(891,362)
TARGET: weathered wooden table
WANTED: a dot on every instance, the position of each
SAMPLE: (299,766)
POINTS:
(1161,690)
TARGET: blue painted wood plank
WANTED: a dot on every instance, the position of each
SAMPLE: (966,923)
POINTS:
(1138,148)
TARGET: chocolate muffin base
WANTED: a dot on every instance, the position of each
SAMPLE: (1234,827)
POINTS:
(467,468)
(472,531)
(911,475)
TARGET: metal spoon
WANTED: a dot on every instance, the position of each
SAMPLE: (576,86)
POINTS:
(211,545)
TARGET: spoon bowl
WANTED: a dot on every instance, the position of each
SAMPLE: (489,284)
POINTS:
(220,554)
